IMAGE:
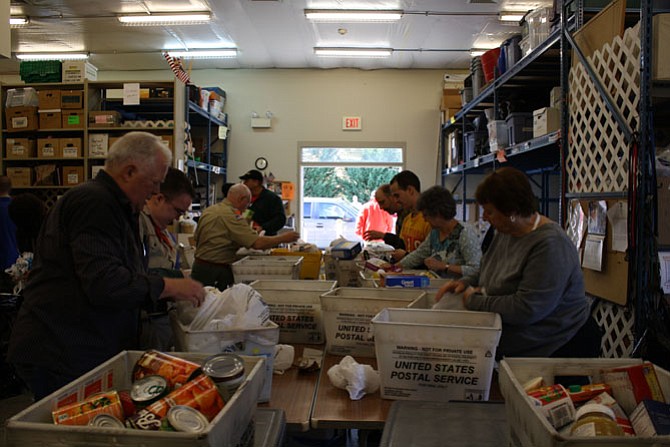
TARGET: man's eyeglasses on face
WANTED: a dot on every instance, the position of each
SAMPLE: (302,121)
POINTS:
(179,211)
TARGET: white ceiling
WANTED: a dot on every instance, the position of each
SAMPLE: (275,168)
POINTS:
(268,33)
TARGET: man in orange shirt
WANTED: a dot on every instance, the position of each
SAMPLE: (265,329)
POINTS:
(406,189)
(373,217)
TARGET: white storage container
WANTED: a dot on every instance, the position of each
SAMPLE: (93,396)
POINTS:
(347,312)
(295,307)
(22,97)
(253,342)
(34,425)
(533,430)
(251,268)
(436,355)
(498,138)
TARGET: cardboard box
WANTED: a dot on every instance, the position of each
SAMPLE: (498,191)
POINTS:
(660,70)
(72,99)
(168,140)
(405,281)
(95,169)
(70,147)
(346,250)
(49,99)
(73,119)
(113,140)
(451,99)
(20,177)
(19,148)
(50,119)
(21,119)
(77,71)
(73,175)
(555,97)
(47,175)
(98,145)
(48,148)
(546,120)
(651,418)
(104,118)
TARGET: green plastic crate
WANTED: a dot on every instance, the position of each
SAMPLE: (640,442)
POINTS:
(40,71)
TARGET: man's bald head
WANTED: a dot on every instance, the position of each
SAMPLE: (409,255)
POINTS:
(239,196)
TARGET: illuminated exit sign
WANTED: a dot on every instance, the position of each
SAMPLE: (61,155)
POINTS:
(352,123)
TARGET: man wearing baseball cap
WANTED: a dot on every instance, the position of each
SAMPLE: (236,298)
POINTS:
(267,209)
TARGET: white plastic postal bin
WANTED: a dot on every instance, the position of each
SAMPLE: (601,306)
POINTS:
(252,268)
(532,429)
(34,426)
(347,312)
(295,307)
(253,342)
(436,355)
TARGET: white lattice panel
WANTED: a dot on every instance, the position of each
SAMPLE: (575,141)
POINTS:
(597,160)
(617,322)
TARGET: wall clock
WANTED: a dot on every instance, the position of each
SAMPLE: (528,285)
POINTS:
(261,163)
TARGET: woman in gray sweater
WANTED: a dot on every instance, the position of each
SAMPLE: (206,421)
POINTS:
(530,275)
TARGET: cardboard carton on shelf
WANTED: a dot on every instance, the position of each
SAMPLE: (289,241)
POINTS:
(20,148)
(48,148)
(21,119)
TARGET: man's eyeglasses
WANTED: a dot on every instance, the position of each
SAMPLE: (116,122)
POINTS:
(179,211)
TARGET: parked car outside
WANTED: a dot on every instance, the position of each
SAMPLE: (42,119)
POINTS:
(325,219)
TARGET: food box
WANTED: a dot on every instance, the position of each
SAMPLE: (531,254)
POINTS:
(21,119)
(48,99)
(48,148)
(77,71)
(251,268)
(311,261)
(73,119)
(534,430)
(70,147)
(104,118)
(73,175)
(20,148)
(348,311)
(295,306)
(50,119)
(33,426)
(72,99)
(346,250)
(98,145)
(545,120)
(436,355)
(20,177)
(253,342)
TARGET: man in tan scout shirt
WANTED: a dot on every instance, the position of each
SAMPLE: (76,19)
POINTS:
(221,231)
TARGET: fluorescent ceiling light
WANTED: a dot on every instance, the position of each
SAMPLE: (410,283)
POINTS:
(511,16)
(18,20)
(354,15)
(211,53)
(353,52)
(166,18)
(51,56)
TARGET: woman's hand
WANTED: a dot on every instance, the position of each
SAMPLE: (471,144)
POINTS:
(372,235)
(456,286)
(435,265)
(398,254)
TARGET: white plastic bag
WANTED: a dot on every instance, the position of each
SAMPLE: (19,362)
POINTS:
(450,301)
(357,379)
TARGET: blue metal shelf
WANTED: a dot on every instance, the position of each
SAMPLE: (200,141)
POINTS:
(220,170)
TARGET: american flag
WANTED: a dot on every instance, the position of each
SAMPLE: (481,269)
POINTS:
(177,68)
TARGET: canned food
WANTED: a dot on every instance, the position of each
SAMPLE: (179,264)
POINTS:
(106,421)
(200,393)
(148,390)
(82,412)
(187,419)
(177,371)
(227,372)
(127,403)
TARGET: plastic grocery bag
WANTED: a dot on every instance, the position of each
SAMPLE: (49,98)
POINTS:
(450,301)
(357,379)
(238,307)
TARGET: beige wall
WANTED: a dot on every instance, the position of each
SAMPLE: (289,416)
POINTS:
(308,105)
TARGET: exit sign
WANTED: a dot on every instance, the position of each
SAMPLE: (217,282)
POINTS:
(352,123)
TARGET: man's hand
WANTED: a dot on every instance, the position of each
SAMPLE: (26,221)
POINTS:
(372,235)
(184,289)
(456,286)
(434,264)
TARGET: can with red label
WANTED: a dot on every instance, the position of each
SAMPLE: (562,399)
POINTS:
(82,412)
(200,393)
(177,371)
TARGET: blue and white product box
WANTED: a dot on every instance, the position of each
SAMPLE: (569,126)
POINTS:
(651,418)
(406,281)
(346,250)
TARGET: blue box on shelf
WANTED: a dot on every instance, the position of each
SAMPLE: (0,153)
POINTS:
(346,250)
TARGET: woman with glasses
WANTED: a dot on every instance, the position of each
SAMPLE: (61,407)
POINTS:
(160,210)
